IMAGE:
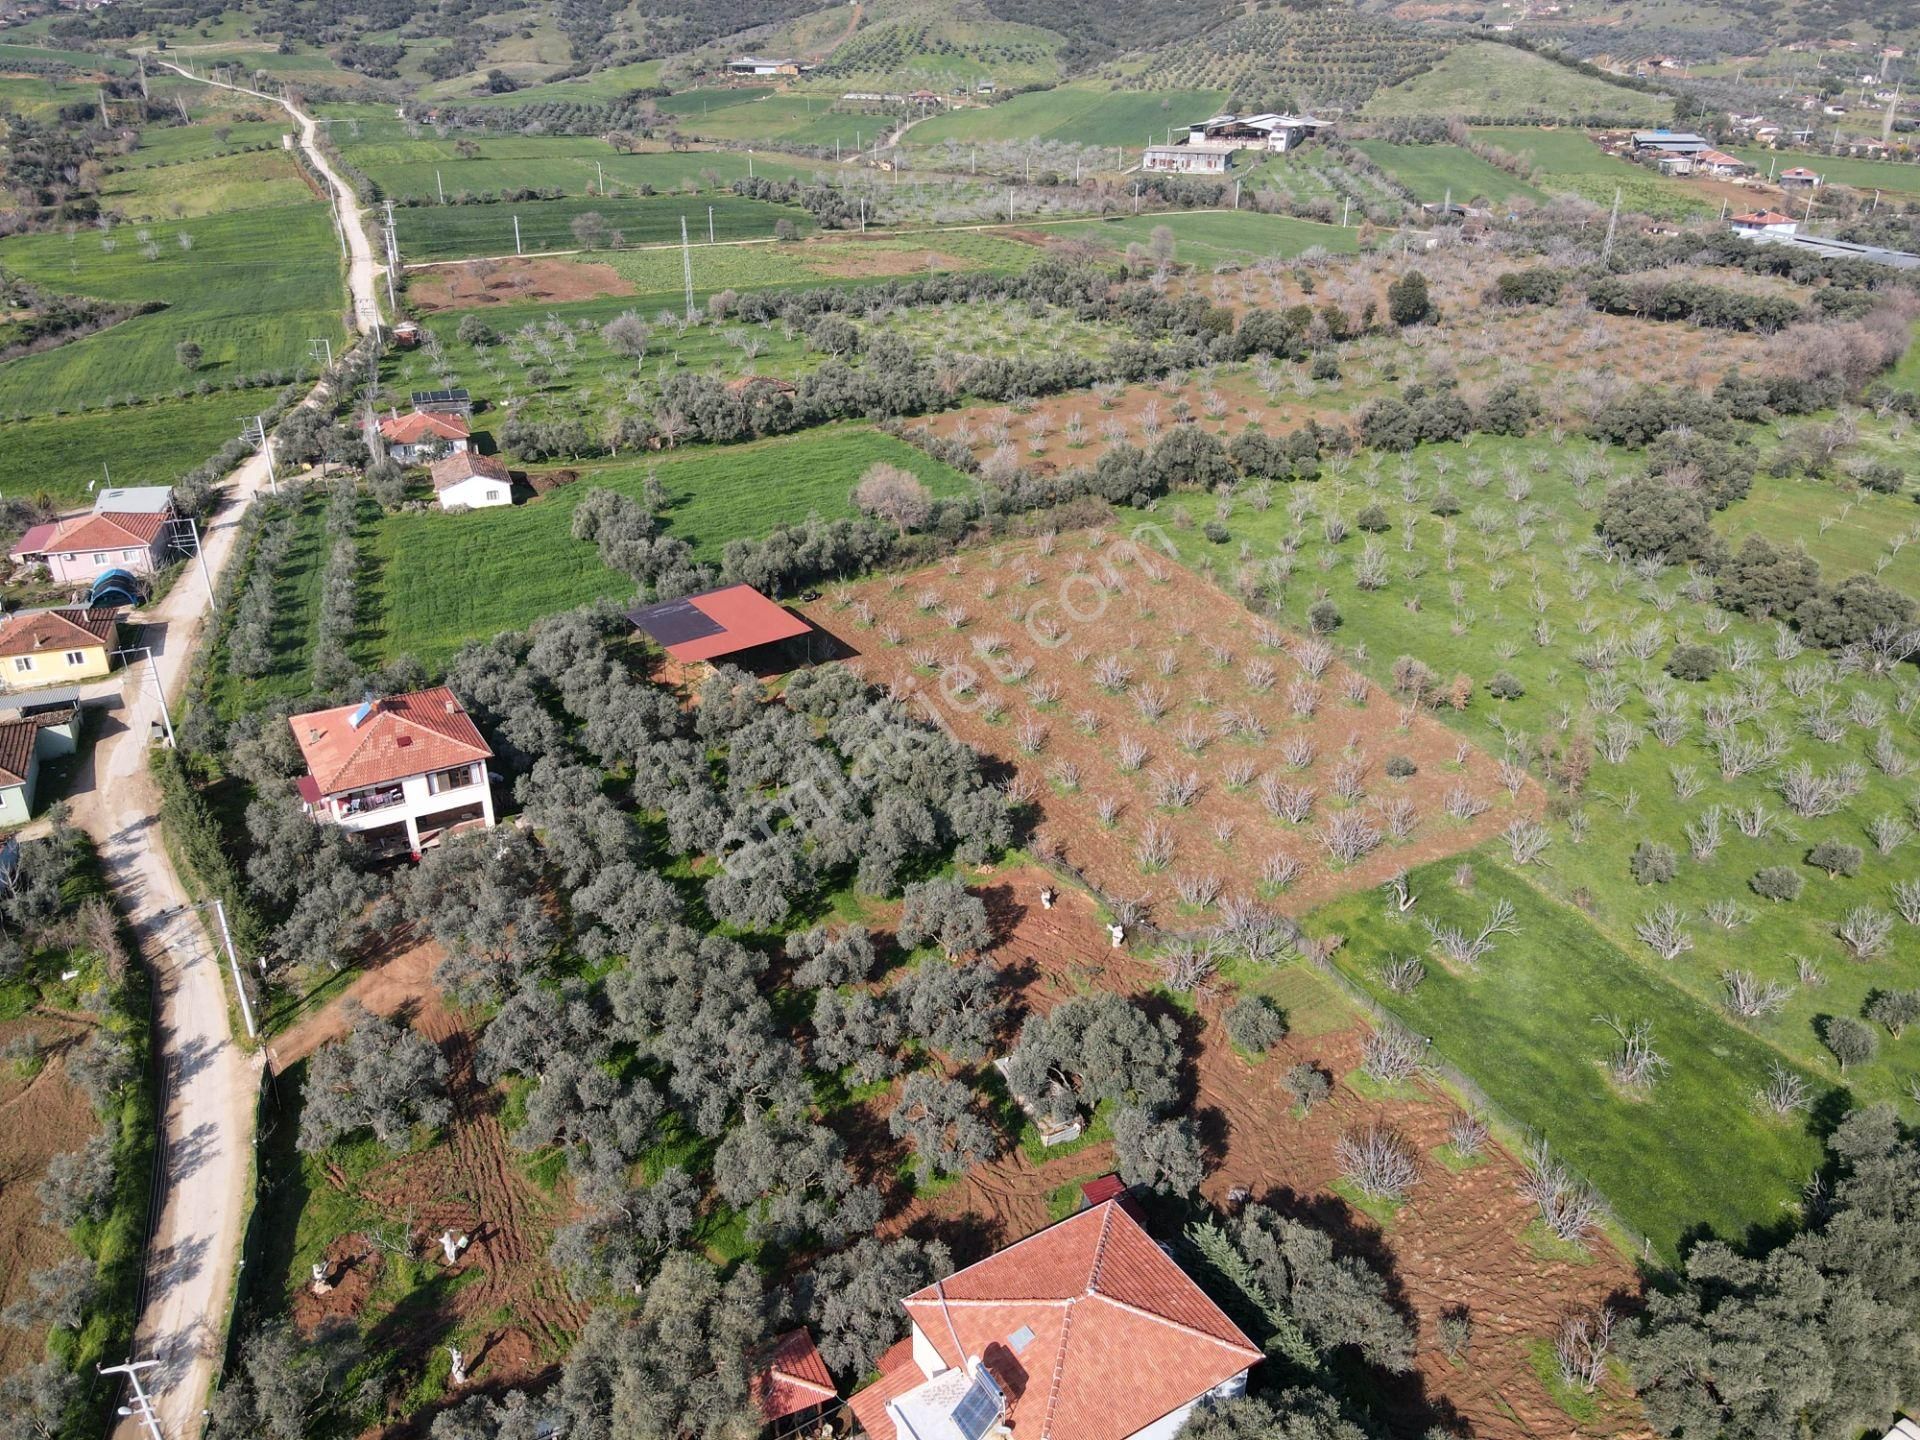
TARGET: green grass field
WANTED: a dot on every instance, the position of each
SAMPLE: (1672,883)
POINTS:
(450,232)
(1210,239)
(252,291)
(1498,80)
(596,88)
(1843,531)
(773,120)
(1434,171)
(205,187)
(447,579)
(1524,1025)
(172,144)
(1568,162)
(1089,113)
(1897,178)
(576,164)
(144,445)
(656,273)
(79,59)
(296,618)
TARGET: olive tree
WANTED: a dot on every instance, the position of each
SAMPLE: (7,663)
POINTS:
(381,1076)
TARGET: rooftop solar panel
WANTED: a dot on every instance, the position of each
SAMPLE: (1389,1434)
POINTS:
(673,622)
(978,1409)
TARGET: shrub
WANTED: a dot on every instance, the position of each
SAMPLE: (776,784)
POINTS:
(1836,858)
(1693,662)
(1853,1042)
(1895,1009)
(1373,519)
(1505,686)
(1653,863)
(1253,1025)
(1777,882)
(1324,617)
(1308,1085)
(1216,532)
(1407,300)
(1400,767)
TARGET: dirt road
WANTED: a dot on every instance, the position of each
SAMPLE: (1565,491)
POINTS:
(209,1081)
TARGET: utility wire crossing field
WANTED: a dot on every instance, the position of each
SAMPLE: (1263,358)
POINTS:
(450,232)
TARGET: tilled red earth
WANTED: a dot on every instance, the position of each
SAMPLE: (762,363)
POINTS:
(1127,607)
(1461,1239)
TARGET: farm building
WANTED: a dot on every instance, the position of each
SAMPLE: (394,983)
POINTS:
(1266,131)
(717,624)
(1843,250)
(78,549)
(792,1387)
(456,401)
(423,435)
(402,772)
(1720,164)
(1087,1329)
(135,500)
(33,736)
(1192,157)
(1798,178)
(1763,222)
(468,480)
(759,65)
(1679,142)
(56,647)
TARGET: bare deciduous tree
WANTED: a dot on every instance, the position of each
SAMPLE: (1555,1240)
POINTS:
(1378,1161)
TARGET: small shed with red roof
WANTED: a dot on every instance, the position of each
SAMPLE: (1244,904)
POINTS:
(793,1387)
(717,624)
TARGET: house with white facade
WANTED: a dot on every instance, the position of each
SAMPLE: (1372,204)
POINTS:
(1763,223)
(403,772)
(76,551)
(1087,1330)
(1193,157)
(468,480)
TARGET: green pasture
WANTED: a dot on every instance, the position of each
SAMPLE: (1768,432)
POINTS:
(576,164)
(1431,172)
(1526,1026)
(822,260)
(1089,113)
(450,232)
(599,87)
(445,579)
(206,187)
(1897,177)
(50,55)
(59,456)
(1844,530)
(172,144)
(1568,162)
(1491,79)
(39,97)
(1207,239)
(775,120)
(252,291)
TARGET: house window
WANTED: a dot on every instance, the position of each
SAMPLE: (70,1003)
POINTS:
(441,781)
(99,558)
(75,657)
(22,664)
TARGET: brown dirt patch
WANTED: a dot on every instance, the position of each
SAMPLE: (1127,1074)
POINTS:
(1153,611)
(43,1115)
(400,984)
(466,287)
(353,1266)
(853,260)
(1461,1239)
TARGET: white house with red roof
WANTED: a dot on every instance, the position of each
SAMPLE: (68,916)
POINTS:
(424,435)
(468,480)
(1084,1331)
(1798,178)
(1763,222)
(404,772)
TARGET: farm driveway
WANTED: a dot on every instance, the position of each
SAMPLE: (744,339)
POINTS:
(210,1083)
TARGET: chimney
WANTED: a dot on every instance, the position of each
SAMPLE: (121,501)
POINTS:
(313,736)
(453,708)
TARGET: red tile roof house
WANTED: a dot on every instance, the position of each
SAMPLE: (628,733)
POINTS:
(469,480)
(403,772)
(417,438)
(793,1386)
(1085,1331)
(76,551)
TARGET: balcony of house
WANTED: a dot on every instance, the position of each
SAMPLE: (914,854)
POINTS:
(359,808)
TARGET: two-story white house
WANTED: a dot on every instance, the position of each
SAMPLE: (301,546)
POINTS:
(404,772)
(1084,1331)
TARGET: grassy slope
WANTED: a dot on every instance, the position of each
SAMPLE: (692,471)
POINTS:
(1567,162)
(1838,170)
(1430,171)
(60,456)
(446,579)
(252,291)
(205,187)
(1490,79)
(1088,113)
(1691,1153)
(564,162)
(1207,240)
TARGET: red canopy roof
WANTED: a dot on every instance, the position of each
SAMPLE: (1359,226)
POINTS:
(794,1378)
(717,623)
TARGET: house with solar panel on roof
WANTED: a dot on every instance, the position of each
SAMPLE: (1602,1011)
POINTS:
(1086,1330)
(735,623)
(404,772)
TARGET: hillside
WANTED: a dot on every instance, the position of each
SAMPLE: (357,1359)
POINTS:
(1485,80)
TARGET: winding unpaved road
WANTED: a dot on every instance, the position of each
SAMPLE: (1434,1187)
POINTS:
(209,1082)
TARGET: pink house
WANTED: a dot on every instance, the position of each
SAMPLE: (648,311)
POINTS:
(77,551)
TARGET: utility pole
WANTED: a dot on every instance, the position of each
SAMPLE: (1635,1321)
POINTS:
(257,433)
(709,225)
(439,184)
(314,347)
(142,1408)
(686,266)
(1613,224)
(749,164)
(1807,218)
(393,262)
(146,653)
(1346,207)
(233,963)
(603,177)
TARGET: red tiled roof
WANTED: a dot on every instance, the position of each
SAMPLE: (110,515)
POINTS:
(1121,1335)
(465,465)
(1763,217)
(794,1378)
(716,623)
(898,1375)
(108,530)
(422,425)
(33,632)
(34,542)
(403,735)
(16,750)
